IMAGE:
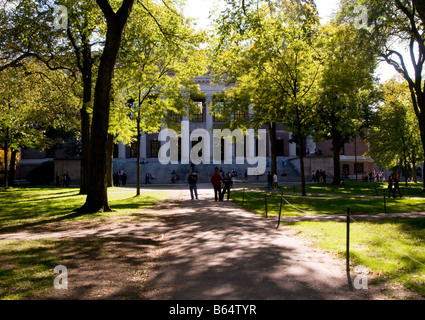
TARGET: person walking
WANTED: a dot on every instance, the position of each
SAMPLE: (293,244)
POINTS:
(227,183)
(275,185)
(269,181)
(396,185)
(192,180)
(390,186)
(216,182)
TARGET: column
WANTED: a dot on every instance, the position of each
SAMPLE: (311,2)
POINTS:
(209,122)
(121,150)
(143,145)
(292,147)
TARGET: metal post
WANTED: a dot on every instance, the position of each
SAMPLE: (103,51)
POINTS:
(265,201)
(348,240)
(243,196)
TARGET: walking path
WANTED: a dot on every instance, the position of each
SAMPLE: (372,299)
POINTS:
(216,250)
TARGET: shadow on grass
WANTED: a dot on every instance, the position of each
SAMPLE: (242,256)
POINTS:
(107,267)
(40,209)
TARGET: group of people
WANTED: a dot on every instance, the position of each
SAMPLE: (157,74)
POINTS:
(119,178)
(373,177)
(64,180)
(319,176)
(272,181)
(221,184)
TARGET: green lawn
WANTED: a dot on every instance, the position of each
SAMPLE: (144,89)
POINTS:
(37,207)
(360,197)
(393,249)
(26,266)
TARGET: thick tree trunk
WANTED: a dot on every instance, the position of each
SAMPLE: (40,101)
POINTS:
(138,156)
(420,8)
(109,157)
(12,170)
(422,131)
(5,158)
(97,195)
(85,149)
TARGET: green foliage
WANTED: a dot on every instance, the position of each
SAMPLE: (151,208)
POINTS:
(395,133)
(346,85)
(159,56)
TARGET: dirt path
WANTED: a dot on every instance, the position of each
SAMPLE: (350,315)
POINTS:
(219,251)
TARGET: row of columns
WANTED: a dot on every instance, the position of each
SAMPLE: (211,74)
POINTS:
(209,128)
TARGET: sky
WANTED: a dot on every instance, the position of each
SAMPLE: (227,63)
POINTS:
(200,9)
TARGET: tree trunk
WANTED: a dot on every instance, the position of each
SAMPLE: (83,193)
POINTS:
(12,168)
(5,158)
(336,151)
(420,8)
(272,134)
(109,157)
(97,195)
(85,120)
(301,148)
(85,149)
(421,119)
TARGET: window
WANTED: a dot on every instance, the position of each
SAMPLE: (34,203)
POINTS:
(175,117)
(133,150)
(197,114)
(155,145)
(240,115)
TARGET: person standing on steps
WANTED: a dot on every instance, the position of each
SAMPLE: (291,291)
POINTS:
(192,180)
(216,182)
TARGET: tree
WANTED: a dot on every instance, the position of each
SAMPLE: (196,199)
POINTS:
(31,105)
(395,26)
(158,59)
(394,135)
(28,31)
(276,51)
(346,88)
(97,196)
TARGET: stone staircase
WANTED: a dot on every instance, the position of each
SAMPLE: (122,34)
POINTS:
(163,173)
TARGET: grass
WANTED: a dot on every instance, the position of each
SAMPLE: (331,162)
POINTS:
(361,198)
(393,249)
(27,207)
(26,266)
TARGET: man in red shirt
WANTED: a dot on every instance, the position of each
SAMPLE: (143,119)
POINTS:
(216,182)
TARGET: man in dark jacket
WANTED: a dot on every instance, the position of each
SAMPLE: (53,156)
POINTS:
(216,182)
(192,181)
